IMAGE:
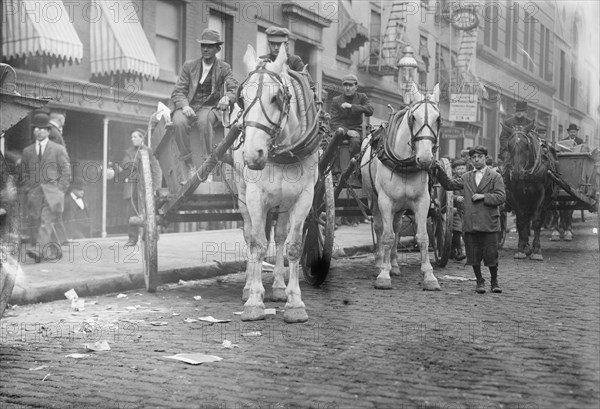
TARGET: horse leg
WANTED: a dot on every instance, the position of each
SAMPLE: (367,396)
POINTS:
(248,240)
(295,310)
(254,308)
(523,229)
(395,271)
(383,280)
(568,224)
(281,231)
(555,225)
(430,283)
(536,223)
(378,226)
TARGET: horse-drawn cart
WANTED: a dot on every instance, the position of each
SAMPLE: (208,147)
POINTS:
(578,181)
(13,108)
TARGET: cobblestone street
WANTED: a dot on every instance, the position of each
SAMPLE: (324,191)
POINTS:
(534,346)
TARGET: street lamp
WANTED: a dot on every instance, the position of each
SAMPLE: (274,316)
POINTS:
(407,67)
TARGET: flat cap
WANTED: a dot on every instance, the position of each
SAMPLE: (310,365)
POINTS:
(478,149)
(350,78)
(277,34)
(458,162)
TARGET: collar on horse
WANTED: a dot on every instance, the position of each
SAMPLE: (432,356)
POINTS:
(384,149)
(283,153)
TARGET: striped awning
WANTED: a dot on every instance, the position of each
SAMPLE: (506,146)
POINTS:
(351,34)
(119,45)
(31,27)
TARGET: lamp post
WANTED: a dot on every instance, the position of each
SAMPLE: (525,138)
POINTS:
(407,68)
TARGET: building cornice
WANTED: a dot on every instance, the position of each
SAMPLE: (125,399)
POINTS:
(513,70)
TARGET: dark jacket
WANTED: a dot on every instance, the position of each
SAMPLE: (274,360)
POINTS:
(131,167)
(47,180)
(482,215)
(294,62)
(187,83)
(350,119)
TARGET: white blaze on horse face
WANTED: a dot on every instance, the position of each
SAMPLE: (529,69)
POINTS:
(262,107)
(424,147)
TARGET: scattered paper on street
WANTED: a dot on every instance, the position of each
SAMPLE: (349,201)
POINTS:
(252,334)
(195,358)
(38,368)
(98,346)
(45,377)
(197,297)
(190,320)
(159,323)
(227,344)
(77,356)
(213,320)
(238,312)
(121,295)
(77,304)
(456,278)
(71,295)
(176,314)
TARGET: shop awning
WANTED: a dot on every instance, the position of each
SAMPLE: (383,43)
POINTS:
(34,28)
(120,46)
(351,34)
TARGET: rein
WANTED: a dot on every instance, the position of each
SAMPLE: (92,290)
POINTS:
(535,171)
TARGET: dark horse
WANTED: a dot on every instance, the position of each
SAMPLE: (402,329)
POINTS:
(529,189)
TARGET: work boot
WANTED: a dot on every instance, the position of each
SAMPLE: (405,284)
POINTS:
(480,289)
(459,255)
(495,287)
(133,237)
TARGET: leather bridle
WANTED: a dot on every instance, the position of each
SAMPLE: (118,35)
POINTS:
(416,136)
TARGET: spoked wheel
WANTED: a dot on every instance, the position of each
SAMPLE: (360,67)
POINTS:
(10,242)
(441,221)
(318,233)
(149,236)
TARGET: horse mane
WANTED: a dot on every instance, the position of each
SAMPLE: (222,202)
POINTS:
(536,158)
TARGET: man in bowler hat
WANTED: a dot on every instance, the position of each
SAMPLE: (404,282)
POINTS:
(203,84)
(46,178)
(483,193)
(572,132)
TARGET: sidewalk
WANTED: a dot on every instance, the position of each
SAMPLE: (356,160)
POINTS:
(100,266)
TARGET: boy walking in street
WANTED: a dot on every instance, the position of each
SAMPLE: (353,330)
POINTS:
(483,194)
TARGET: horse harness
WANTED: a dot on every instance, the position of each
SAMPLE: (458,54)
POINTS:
(277,152)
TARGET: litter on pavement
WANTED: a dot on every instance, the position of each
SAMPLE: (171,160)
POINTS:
(77,356)
(71,295)
(252,334)
(121,295)
(98,346)
(195,358)
(190,320)
(213,320)
(38,368)
(227,344)
(456,278)
(159,323)
(197,297)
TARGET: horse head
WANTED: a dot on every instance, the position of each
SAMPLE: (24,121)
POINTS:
(521,148)
(421,125)
(266,97)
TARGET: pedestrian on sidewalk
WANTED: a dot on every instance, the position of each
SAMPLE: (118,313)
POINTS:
(459,167)
(46,177)
(483,194)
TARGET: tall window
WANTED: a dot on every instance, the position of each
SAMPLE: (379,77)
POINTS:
(223,23)
(545,54)
(529,42)
(374,37)
(574,85)
(508,31)
(561,88)
(515,33)
(490,33)
(169,35)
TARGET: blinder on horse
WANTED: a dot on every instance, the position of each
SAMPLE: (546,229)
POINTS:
(281,99)
(415,136)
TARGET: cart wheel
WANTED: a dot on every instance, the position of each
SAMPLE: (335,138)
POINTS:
(10,244)
(442,220)
(149,236)
(319,230)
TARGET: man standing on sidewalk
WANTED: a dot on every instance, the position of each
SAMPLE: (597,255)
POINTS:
(46,178)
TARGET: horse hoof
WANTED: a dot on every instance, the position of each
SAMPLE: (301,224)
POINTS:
(520,256)
(383,284)
(293,315)
(537,257)
(568,236)
(431,285)
(555,236)
(245,294)
(278,295)
(253,313)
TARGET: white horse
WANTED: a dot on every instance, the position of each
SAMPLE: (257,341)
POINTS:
(277,122)
(411,142)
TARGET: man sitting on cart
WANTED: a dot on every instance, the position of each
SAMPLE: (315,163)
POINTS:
(203,84)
